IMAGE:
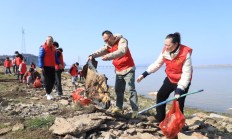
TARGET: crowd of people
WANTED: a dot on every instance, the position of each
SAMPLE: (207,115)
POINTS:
(51,65)
(176,57)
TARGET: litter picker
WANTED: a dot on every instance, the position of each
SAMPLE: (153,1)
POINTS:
(168,100)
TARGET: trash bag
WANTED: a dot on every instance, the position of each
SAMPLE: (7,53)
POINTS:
(37,83)
(78,97)
(173,122)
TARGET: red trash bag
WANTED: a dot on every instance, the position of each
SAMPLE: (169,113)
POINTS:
(77,97)
(37,83)
(173,122)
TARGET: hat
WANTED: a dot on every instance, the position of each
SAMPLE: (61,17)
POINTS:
(16,52)
(77,63)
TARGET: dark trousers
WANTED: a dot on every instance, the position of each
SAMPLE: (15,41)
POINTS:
(8,70)
(58,82)
(166,89)
(49,78)
(17,71)
(14,69)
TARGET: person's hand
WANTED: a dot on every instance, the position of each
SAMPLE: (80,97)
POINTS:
(60,66)
(90,57)
(140,78)
(178,93)
(104,58)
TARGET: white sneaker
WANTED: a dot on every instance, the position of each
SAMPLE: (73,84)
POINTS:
(49,97)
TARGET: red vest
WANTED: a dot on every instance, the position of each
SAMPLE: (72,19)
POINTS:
(49,56)
(74,72)
(123,62)
(7,63)
(61,60)
(18,61)
(23,68)
(174,67)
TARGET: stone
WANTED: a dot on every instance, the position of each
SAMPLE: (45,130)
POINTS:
(17,127)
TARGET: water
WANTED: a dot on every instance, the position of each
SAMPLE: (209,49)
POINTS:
(216,82)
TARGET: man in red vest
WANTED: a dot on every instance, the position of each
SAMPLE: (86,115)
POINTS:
(58,69)
(7,65)
(116,49)
(177,59)
(47,61)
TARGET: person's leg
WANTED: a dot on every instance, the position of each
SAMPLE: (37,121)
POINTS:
(9,70)
(119,90)
(6,71)
(58,83)
(49,75)
(130,83)
(17,72)
(14,69)
(28,80)
(163,93)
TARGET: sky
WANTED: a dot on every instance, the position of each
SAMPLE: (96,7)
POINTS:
(77,25)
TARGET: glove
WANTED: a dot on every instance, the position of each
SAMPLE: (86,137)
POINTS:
(178,92)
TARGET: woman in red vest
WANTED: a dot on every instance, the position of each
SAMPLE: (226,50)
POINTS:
(177,59)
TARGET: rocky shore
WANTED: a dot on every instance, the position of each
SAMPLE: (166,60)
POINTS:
(25,113)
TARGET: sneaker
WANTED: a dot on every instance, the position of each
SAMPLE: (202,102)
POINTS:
(134,114)
(116,110)
(49,97)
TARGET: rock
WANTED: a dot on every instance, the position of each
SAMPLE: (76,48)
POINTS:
(151,119)
(130,130)
(35,98)
(76,125)
(4,103)
(69,137)
(18,126)
(193,136)
(5,130)
(213,115)
(64,102)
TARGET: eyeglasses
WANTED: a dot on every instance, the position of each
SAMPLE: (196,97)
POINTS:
(108,39)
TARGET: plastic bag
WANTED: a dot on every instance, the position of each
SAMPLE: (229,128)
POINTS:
(77,97)
(173,122)
(37,83)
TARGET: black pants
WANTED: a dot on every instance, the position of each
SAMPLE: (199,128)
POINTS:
(58,82)
(17,71)
(49,78)
(166,89)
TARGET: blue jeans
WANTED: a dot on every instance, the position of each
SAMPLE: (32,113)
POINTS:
(123,81)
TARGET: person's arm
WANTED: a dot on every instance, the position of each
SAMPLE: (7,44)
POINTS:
(100,52)
(20,67)
(122,49)
(57,55)
(186,73)
(41,57)
(25,75)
